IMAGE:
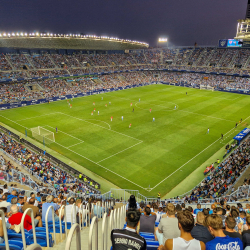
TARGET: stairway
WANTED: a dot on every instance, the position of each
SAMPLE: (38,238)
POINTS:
(231,64)
(247,62)
(9,61)
(209,58)
(56,66)
(30,61)
(199,58)
(84,239)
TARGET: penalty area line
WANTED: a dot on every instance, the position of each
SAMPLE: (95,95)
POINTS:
(83,157)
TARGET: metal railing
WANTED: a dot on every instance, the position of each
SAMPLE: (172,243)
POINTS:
(6,241)
(93,226)
(104,231)
(33,247)
(47,225)
(74,228)
(65,221)
(33,227)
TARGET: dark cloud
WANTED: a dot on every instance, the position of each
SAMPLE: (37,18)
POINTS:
(182,21)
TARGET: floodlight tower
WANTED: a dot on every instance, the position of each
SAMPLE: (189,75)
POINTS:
(243,28)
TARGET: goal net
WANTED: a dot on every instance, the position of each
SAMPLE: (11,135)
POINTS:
(206,87)
(43,135)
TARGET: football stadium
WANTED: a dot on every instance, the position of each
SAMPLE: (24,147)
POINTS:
(110,143)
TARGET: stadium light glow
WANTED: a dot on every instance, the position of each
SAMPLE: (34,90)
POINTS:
(37,34)
(162,40)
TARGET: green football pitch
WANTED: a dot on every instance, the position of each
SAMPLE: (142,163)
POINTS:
(149,156)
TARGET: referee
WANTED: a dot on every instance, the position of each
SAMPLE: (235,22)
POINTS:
(124,239)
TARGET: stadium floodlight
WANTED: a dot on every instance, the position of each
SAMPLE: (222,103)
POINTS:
(162,40)
(8,34)
(26,34)
(4,34)
(13,34)
(0,34)
(17,34)
(37,34)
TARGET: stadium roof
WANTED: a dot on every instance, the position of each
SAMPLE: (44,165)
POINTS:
(66,41)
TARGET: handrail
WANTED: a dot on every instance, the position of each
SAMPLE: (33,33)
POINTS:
(46,224)
(110,227)
(80,216)
(72,230)
(65,220)
(34,247)
(115,218)
(104,232)
(94,223)
(33,227)
(73,216)
(87,214)
(5,234)
(118,219)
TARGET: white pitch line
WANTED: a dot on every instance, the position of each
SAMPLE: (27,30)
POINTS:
(194,157)
(83,157)
(205,115)
(75,144)
(119,152)
(101,126)
(65,133)
(37,116)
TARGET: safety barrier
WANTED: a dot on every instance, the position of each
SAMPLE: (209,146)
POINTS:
(6,241)
(104,231)
(65,221)
(33,227)
(47,225)
(93,226)
(74,228)
(33,247)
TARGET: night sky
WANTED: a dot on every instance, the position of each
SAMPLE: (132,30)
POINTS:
(182,21)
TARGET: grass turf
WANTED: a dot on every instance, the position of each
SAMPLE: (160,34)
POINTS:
(149,156)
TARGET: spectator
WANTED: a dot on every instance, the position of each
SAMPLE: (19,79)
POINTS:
(69,210)
(128,238)
(36,213)
(246,233)
(221,241)
(16,218)
(147,221)
(168,227)
(200,232)
(45,207)
(185,241)
(198,209)
(230,224)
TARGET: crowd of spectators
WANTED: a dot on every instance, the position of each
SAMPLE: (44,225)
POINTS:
(221,179)
(47,172)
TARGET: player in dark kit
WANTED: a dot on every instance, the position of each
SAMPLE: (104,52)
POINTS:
(124,239)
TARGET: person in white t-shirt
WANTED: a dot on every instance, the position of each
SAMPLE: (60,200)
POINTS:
(185,241)
(69,210)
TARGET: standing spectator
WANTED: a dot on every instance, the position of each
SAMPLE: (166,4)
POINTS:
(221,241)
(246,233)
(147,221)
(128,238)
(185,241)
(198,209)
(230,224)
(168,227)
(200,232)
(16,218)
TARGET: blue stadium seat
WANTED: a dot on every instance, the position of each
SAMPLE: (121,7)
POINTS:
(16,242)
(57,227)
(18,237)
(12,247)
(148,236)
(152,245)
(41,239)
(157,224)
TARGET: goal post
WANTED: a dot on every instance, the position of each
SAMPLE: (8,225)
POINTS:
(43,135)
(207,87)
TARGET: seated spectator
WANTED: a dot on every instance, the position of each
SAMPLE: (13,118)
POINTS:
(16,218)
(221,241)
(68,208)
(200,232)
(230,224)
(185,241)
(16,228)
(128,238)
(147,221)
(13,195)
(168,227)
(37,216)
(45,207)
